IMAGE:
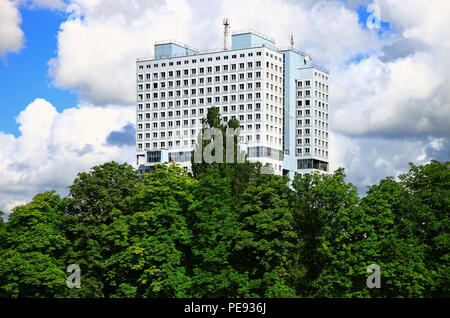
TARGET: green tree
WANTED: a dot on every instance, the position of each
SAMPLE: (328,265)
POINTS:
(328,221)
(34,262)
(214,226)
(159,238)
(265,246)
(388,244)
(2,232)
(425,214)
(239,174)
(97,199)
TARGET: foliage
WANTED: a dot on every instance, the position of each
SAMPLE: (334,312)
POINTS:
(98,199)
(229,231)
(32,264)
(215,228)
(267,240)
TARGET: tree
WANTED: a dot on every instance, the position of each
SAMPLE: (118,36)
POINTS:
(388,244)
(265,246)
(230,232)
(428,217)
(104,188)
(34,262)
(97,199)
(2,232)
(214,226)
(329,223)
(240,174)
(159,237)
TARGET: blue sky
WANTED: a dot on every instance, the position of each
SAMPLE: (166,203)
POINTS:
(24,76)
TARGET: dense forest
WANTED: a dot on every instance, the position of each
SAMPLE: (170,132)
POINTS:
(226,230)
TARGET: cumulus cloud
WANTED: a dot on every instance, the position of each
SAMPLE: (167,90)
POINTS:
(405,90)
(401,98)
(125,136)
(43,4)
(98,50)
(369,159)
(11,36)
(53,147)
(394,107)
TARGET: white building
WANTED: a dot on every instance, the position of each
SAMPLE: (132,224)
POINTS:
(279,97)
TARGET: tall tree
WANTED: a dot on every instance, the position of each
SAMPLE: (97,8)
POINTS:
(428,217)
(265,246)
(238,173)
(159,237)
(97,198)
(329,221)
(214,226)
(387,244)
(34,262)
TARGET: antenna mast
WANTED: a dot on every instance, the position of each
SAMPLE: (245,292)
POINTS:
(226,33)
(291,41)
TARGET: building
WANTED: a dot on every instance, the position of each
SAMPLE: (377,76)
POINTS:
(279,97)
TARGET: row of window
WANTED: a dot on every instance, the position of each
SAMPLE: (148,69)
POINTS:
(162,125)
(316,142)
(317,152)
(316,103)
(317,133)
(161,84)
(193,122)
(208,69)
(322,76)
(193,133)
(307,103)
(307,83)
(224,109)
(308,122)
(257,106)
(316,94)
(312,164)
(192,142)
(201,100)
(209,100)
(208,59)
(307,113)
(201,60)
(217,89)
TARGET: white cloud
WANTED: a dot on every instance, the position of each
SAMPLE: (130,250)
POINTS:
(406,90)
(11,36)
(43,4)
(53,147)
(404,97)
(369,159)
(425,20)
(97,53)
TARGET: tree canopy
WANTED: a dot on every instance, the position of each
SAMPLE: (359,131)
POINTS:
(226,230)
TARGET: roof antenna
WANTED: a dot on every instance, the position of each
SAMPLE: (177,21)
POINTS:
(226,32)
(291,41)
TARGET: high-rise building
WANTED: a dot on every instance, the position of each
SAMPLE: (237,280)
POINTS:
(279,97)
